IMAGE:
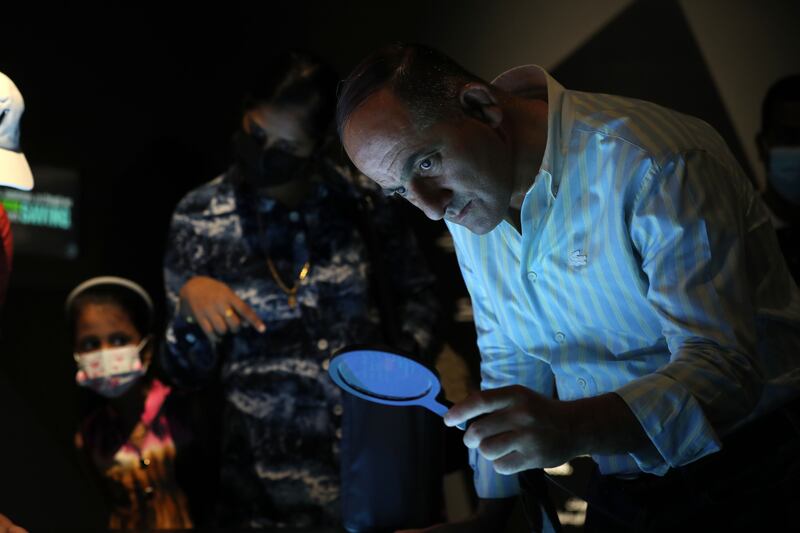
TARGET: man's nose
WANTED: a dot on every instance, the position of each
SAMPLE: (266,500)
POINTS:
(430,197)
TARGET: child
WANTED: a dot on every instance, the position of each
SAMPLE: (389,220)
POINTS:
(130,437)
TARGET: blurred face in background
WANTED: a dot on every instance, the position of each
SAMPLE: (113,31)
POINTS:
(283,128)
(779,149)
(108,348)
(274,146)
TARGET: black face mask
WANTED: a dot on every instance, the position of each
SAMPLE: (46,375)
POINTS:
(265,168)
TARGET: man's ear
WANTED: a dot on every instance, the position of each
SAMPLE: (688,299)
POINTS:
(478,101)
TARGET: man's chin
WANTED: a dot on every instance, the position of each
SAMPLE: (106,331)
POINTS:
(479,227)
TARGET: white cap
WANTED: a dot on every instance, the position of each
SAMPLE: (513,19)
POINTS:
(14,169)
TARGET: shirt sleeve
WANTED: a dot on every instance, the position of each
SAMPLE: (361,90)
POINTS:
(502,364)
(691,224)
(188,357)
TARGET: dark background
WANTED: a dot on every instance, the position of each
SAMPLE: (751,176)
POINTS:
(141,102)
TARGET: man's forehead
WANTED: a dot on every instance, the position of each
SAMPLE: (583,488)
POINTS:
(378,133)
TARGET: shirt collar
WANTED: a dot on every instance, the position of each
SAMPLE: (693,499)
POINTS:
(531,80)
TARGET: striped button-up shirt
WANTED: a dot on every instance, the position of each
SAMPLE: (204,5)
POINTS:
(646,266)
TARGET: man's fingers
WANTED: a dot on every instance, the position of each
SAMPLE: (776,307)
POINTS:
(246,312)
(217,323)
(233,321)
(498,422)
(480,403)
(497,446)
(208,329)
(511,464)
(229,316)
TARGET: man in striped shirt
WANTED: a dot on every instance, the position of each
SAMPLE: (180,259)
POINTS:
(630,299)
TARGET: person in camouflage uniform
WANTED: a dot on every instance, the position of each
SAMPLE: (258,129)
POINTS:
(271,268)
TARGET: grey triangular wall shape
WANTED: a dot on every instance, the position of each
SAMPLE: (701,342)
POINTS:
(649,52)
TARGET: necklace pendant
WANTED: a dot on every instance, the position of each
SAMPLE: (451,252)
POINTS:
(292,301)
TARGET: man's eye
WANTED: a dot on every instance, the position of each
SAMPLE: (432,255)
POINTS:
(426,164)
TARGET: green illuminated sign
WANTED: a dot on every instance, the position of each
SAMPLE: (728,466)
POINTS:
(38,209)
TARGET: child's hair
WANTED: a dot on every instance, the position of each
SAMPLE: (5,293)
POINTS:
(129,296)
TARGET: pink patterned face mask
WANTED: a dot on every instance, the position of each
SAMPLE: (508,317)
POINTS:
(111,372)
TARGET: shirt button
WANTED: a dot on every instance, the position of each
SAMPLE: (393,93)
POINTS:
(339,433)
(532,275)
(294,216)
(560,337)
(325,364)
(322,344)
(190,338)
(582,383)
(338,410)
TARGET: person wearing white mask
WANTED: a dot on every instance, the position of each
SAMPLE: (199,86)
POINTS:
(779,149)
(132,436)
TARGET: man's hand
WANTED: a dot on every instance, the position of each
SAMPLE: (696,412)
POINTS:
(519,429)
(216,308)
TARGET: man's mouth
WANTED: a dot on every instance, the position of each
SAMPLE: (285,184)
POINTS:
(459,217)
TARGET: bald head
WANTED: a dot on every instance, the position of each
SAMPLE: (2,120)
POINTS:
(458,167)
(425,80)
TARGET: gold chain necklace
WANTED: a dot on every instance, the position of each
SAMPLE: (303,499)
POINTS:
(290,292)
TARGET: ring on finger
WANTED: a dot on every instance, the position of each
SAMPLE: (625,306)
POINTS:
(229,312)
